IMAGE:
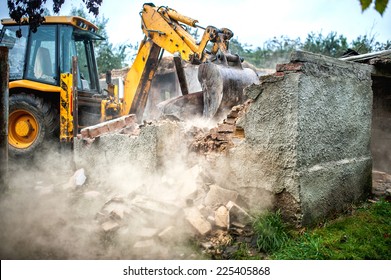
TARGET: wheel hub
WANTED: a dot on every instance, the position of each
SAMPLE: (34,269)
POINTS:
(23,128)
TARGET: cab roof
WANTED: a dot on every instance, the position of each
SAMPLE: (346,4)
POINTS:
(75,21)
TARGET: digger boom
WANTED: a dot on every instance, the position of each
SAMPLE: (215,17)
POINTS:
(164,28)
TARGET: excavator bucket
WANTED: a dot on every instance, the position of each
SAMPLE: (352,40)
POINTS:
(223,85)
(222,82)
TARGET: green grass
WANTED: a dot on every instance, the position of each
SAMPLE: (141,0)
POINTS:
(271,232)
(364,235)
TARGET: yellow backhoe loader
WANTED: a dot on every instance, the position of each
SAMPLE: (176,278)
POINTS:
(46,99)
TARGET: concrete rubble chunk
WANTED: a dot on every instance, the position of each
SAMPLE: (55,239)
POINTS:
(237,214)
(237,225)
(168,234)
(146,232)
(205,211)
(117,214)
(218,196)
(92,194)
(197,221)
(79,177)
(77,180)
(110,226)
(222,217)
(116,208)
(154,206)
(148,244)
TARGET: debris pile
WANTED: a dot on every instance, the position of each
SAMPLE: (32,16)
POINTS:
(221,138)
(154,220)
(381,184)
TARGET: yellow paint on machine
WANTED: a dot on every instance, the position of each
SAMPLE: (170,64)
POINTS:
(66,110)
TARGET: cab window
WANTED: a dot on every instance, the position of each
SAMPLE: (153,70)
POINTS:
(42,63)
(17,50)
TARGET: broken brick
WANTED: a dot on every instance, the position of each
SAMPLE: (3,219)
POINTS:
(226,128)
(289,67)
(116,125)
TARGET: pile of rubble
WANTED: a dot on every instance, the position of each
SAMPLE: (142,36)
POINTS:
(221,138)
(152,220)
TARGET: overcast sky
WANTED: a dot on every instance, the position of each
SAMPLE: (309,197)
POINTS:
(252,21)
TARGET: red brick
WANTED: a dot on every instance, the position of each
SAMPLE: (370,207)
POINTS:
(84,133)
(226,128)
(224,137)
(290,67)
(233,114)
(116,124)
(130,119)
(230,121)
(95,131)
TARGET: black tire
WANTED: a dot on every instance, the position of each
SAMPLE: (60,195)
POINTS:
(46,124)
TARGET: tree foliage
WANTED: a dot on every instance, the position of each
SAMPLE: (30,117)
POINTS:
(380,5)
(278,50)
(108,56)
(33,11)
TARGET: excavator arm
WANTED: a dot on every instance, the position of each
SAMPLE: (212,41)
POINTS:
(166,29)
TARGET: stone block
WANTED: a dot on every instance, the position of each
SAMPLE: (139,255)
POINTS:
(168,234)
(194,217)
(110,226)
(238,214)
(218,196)
(148,245)
(150,205)
(146,232)
(92,194)
(222,217)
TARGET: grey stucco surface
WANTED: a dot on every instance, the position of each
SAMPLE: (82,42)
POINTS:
(308,134)
(146,152)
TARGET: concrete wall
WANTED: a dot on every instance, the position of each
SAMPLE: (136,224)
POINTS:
(307,138)
(141,154)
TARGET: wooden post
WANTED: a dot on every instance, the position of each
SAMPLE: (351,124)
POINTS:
(4,110)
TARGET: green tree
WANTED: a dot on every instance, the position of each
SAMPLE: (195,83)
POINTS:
(331,45)
(278,50)
(108,56)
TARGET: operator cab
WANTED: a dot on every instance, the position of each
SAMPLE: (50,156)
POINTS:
(43,55)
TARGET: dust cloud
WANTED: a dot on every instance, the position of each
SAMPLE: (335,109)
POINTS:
(121,212)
